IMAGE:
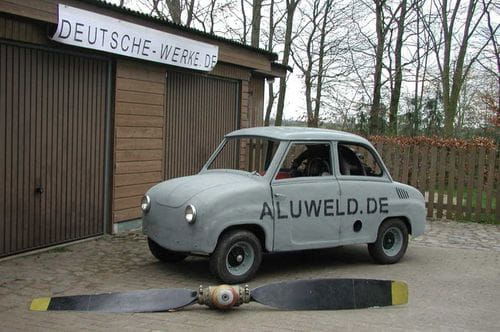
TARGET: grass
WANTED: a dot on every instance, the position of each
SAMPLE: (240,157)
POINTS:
(489,218)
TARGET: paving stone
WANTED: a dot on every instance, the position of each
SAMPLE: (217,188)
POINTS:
(459,261)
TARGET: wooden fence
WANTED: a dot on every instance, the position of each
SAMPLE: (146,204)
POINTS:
(458,183)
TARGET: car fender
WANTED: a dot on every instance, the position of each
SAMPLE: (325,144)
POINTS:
(263,232)
(232,208)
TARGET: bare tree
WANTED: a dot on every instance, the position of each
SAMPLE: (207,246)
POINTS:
(270,83)
(492,36)
(398,70)
(291,6)
(451,59)
(381,31)
(316,50)
(212,17)
(384,19)
(421,57)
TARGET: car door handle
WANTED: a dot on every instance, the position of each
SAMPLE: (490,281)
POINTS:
(279,195)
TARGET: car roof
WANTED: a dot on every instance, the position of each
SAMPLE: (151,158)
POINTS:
(299,133)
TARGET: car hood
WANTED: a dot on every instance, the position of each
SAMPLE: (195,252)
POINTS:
(177,192)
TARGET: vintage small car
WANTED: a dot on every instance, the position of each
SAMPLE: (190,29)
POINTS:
(274,189)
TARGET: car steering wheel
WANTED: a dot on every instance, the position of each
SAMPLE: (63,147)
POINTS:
(317,166)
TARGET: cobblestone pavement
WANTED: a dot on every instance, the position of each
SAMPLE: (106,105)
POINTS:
(453,273)
(450,234)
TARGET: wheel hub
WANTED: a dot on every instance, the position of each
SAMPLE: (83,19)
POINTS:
(240,258)
(236,256)
(392,241)
(389,241)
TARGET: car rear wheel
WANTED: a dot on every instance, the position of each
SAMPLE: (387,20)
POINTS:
(163,254)
(391,243)
(237,257)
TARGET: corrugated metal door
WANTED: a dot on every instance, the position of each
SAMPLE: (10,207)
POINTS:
(200,111)
(52,115)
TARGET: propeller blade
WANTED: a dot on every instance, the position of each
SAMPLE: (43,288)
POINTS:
(331,294)
(150,300)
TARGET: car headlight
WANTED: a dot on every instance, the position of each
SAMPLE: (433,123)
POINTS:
(190,214)
(145,203)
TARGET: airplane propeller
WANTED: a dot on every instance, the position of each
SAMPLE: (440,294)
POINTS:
(313,294)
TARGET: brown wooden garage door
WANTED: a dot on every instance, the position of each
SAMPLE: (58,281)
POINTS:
(200,111)
(52,113)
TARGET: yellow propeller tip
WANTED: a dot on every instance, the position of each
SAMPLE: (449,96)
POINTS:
(399,292)
(40,304)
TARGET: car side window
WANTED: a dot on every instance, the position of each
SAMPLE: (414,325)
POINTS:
(306,160)
(357,160)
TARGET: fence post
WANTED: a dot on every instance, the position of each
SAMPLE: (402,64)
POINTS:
(470,171)
(441,173)
(479,185)
(450,208)
(460,184)
(432,182)
(489,190)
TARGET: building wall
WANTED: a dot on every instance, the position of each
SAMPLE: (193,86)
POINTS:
(138,140)
(138,97)
(20,30)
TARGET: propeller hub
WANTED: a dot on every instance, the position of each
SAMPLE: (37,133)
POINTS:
(223,296)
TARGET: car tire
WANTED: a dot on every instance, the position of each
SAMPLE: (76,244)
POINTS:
(391,243)
(163,254)
(237,257)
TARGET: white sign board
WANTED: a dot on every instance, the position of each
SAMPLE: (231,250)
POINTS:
(99,32)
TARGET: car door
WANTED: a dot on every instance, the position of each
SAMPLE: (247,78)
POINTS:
(366,191)
(305,197)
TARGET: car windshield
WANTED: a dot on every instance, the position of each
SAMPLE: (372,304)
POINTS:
(251,154)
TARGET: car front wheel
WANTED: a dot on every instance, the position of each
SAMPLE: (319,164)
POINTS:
(391,243)
(163,254)
(237,257)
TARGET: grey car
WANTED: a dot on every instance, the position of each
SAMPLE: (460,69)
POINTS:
(275,189)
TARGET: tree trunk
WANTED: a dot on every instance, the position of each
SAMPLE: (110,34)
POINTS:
(375,111)
(190,10)
(291,6)
(244,18)
(319,80)
(311,121)
(398,75)
(174,8)
(256,16)
(270,84)
(270,102)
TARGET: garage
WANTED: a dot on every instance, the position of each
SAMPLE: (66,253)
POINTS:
(195,126)
(52,120)
(99,103)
